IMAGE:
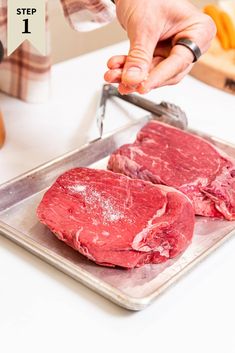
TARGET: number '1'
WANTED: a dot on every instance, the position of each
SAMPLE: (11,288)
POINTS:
(26,26)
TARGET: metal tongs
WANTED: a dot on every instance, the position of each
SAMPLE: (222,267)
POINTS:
(165,112)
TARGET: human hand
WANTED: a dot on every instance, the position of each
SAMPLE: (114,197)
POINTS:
(153,27)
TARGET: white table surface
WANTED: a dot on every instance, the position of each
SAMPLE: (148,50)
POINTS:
(43,310)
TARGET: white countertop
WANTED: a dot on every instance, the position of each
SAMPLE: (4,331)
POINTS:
(43,310)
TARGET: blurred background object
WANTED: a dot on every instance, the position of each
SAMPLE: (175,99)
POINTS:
(67,43)
(2,131)
(216,67)
(1,52)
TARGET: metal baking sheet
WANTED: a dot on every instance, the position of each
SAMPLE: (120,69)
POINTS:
(132,289)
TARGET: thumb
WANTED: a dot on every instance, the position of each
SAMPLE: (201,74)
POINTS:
(139,59)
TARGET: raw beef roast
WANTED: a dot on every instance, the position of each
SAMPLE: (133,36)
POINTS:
(115,220)
(166,155)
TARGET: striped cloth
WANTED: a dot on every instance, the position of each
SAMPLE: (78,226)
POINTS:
(25,74)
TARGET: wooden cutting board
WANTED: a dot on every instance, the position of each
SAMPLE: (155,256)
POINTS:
(217,68)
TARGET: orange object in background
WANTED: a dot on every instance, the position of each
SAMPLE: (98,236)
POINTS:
(229,27)
(214,12)
(2,131)
(224,24)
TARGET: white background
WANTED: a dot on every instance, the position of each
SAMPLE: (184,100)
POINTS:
(43,310)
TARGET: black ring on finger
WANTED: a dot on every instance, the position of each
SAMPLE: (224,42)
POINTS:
(192,46)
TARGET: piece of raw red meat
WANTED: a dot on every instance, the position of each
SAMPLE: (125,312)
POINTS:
(115,220)
(166,155)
